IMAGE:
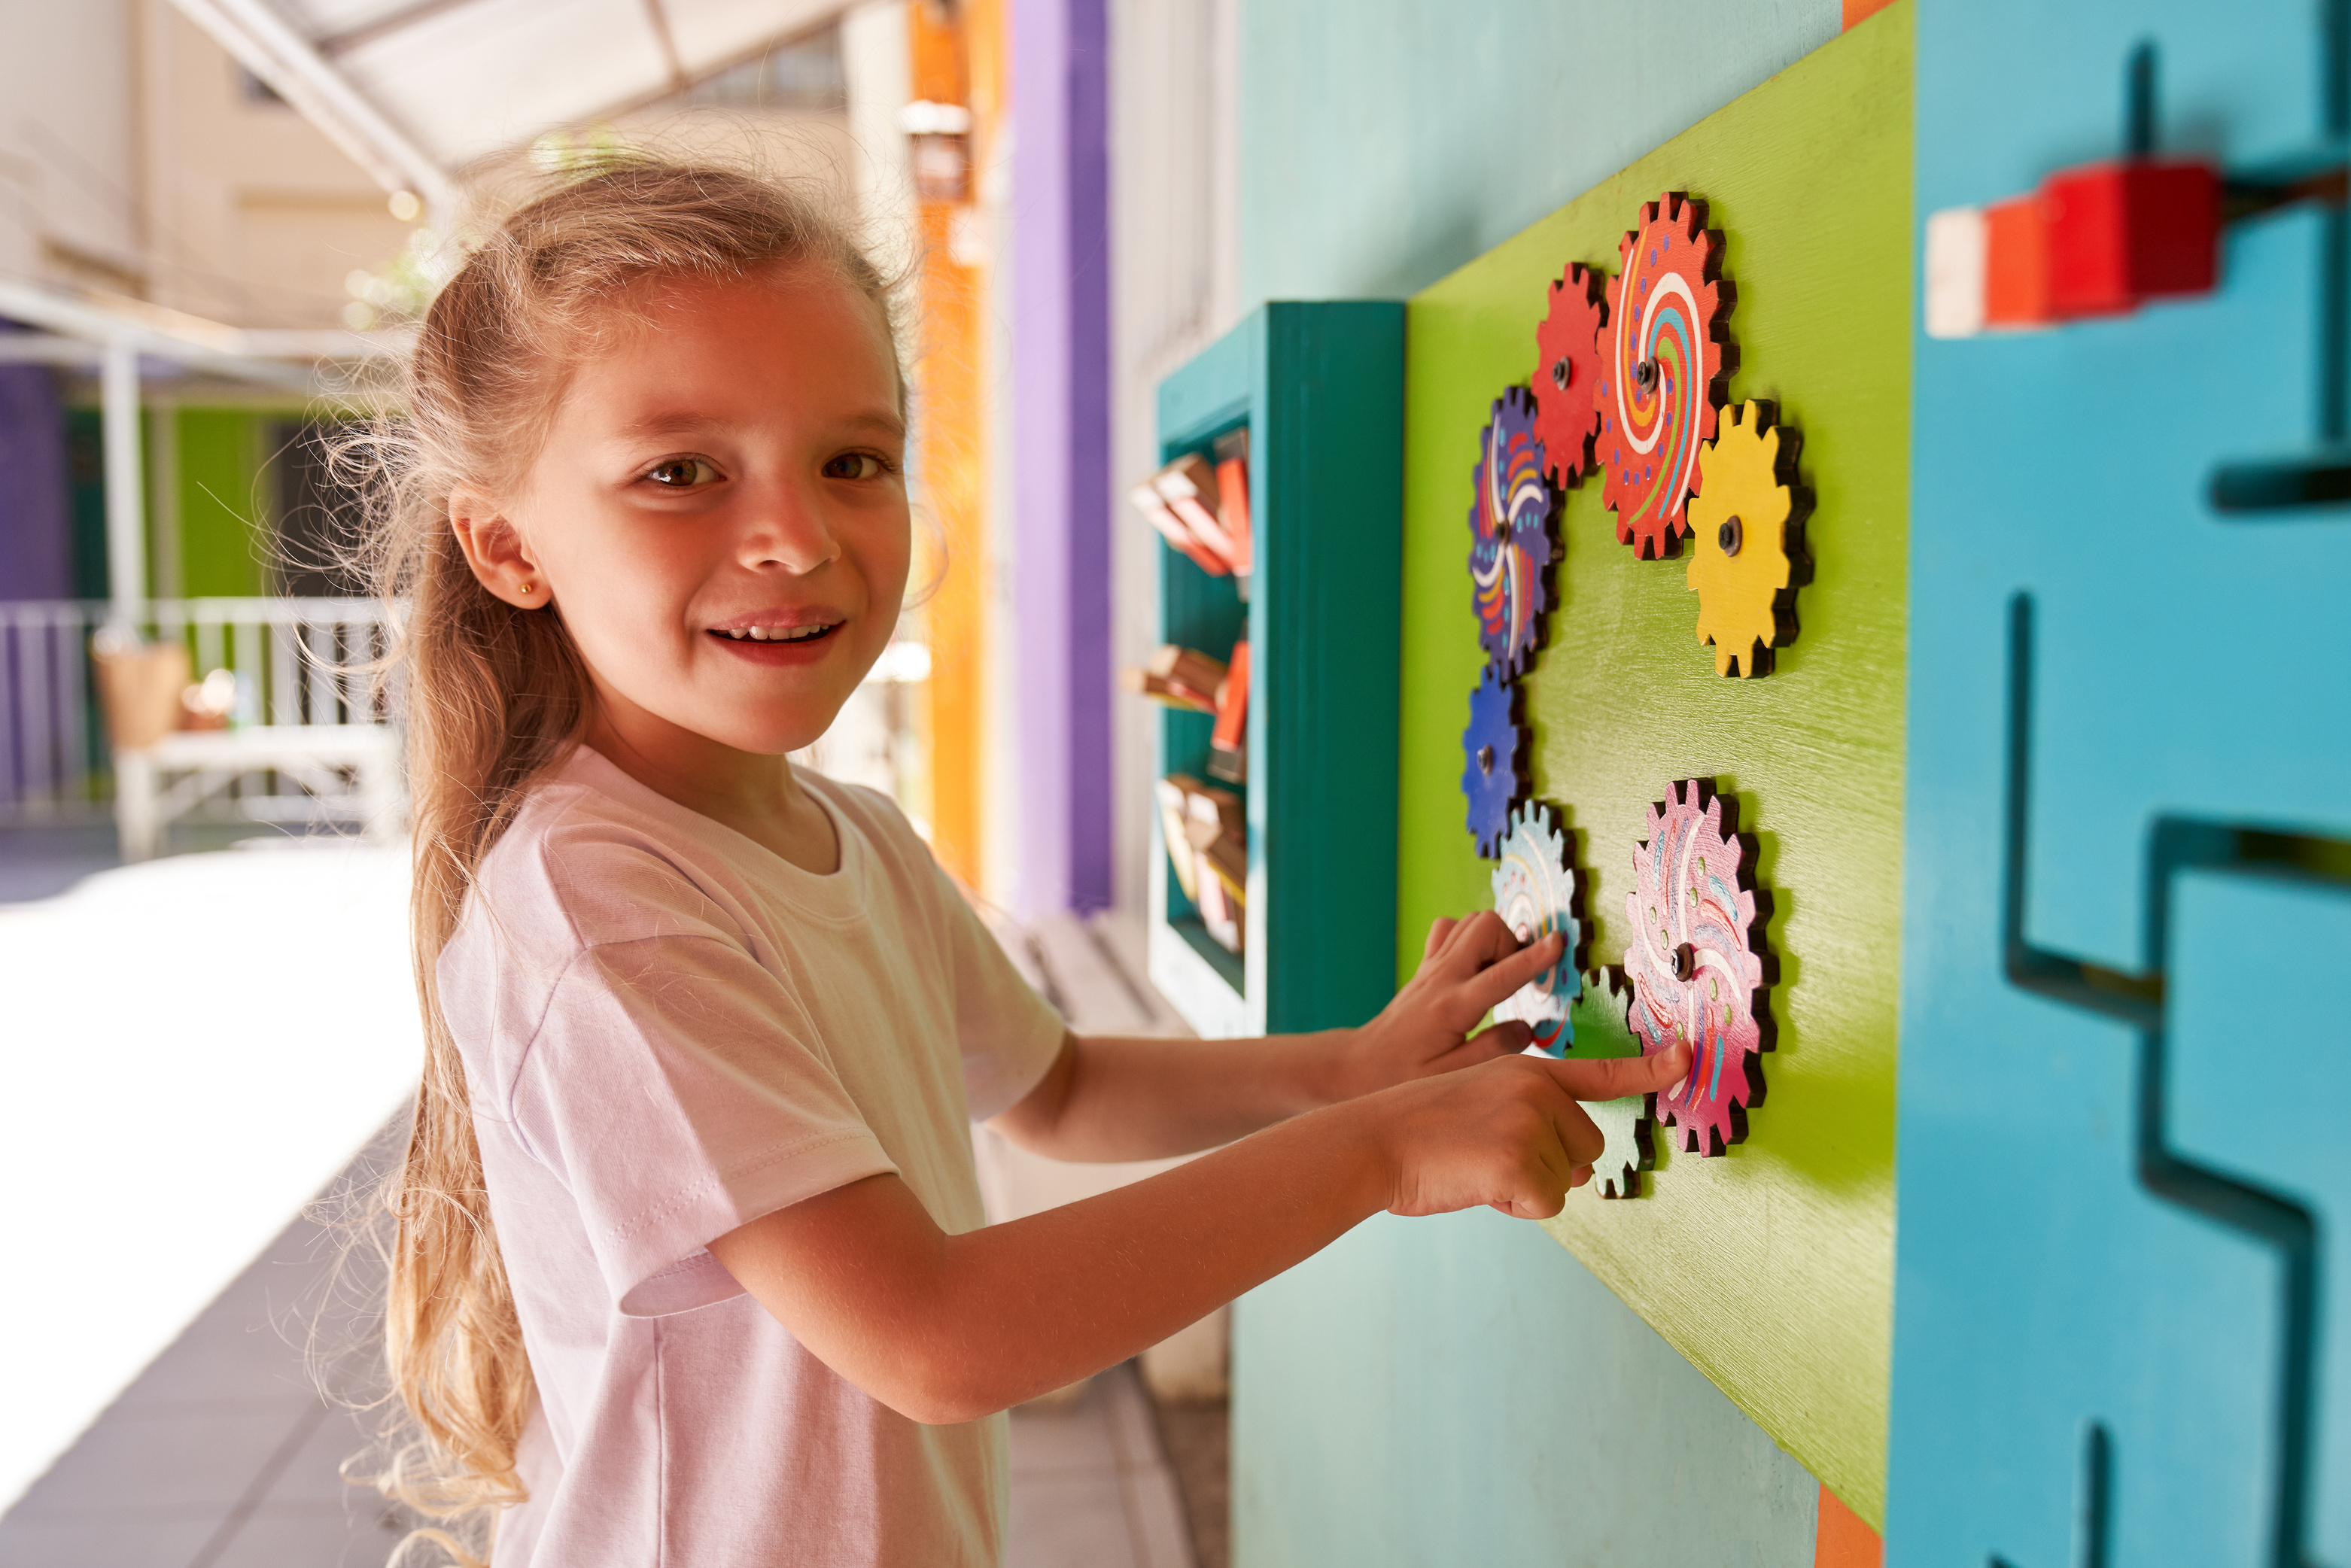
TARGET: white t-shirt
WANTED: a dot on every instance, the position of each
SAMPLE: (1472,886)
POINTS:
(669,1031)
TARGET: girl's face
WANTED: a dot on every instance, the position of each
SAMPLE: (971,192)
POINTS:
(720,513)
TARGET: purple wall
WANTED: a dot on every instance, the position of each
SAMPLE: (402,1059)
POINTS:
(1059,527)
(35,507)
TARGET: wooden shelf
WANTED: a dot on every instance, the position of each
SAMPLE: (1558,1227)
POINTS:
(1319,387)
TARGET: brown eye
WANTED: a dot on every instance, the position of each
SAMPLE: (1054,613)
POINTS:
(680,472)
(854,465)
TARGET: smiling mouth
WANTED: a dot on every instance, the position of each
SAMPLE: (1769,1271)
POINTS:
(780,633)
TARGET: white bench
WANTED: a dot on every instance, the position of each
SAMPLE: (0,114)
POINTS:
(156,784)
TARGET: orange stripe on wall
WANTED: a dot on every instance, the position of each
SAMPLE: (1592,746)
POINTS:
(1863,10)
(954,704)
(1844,1540)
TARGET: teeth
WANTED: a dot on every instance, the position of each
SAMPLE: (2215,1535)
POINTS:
(777,633)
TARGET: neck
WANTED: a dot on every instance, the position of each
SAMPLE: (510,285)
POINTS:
(758,796)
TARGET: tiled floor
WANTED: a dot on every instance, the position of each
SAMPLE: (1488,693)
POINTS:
(1090,1488)
(223,1455)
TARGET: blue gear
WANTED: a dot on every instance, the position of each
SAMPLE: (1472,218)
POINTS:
(1492,748)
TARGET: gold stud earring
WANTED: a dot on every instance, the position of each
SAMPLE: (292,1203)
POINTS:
(529,590)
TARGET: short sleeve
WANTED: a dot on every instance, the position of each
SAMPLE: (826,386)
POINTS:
(678,1090)
(1008,1034)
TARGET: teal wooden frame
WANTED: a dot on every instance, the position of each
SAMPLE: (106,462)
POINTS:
(1320,387)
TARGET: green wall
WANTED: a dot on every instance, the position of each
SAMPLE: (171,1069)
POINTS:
(225,501)
(1771,1268)
(1380,1414)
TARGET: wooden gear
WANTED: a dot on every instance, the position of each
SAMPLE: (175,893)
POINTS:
(1693,960)
(1567,372)
(1746,530)
(1535,894)
(1664,360)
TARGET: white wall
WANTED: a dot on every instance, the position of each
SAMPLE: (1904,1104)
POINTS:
(1173,291)
(68,172)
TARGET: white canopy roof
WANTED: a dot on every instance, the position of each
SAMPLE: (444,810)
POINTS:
(415,89)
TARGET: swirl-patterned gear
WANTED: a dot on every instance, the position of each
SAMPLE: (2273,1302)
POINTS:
(1567,372)
(1494,760)
(1534,893)
(1746,543)
(1510,535)
(1663,371)
(1691,957)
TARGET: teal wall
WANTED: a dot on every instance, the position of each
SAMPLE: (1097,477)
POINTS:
(1462,1390)
(1386,142)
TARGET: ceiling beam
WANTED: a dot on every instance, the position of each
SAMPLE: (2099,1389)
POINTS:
(400,21)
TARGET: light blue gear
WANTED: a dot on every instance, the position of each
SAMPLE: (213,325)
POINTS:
(1534,893)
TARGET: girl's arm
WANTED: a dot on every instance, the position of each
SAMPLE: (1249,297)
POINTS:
(949,1328)
(1147,1098)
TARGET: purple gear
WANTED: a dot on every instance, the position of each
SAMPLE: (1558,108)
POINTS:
(1493,748)
(1510,534)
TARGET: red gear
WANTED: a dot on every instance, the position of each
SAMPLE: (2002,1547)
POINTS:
(1567,372)
(1666,311)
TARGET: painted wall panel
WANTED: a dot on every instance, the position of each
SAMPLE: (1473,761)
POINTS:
(1462,1391)
(1385,144)
(1379,1418)
(2112,1310)
(1771,1268)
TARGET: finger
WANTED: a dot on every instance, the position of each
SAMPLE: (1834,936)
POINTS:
(1437,932)
(1613,1078)
(1510,1037)
(1580,1136)
(1583,1174)
(1477,941)
(1502,980)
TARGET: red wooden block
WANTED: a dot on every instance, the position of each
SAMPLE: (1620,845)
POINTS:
(2016,264)
(2123,233)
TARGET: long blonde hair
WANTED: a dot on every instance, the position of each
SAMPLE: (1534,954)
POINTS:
(492,696)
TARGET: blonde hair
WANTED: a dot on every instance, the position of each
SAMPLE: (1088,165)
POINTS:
(494,695)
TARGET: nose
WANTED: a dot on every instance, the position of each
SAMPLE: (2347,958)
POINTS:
(783,524)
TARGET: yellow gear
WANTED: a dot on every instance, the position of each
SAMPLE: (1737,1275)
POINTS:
(1738,523)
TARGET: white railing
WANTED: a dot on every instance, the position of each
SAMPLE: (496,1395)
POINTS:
(298,662)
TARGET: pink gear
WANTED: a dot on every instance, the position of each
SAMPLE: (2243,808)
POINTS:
(1662,372)
(1567,372)
(1692,961)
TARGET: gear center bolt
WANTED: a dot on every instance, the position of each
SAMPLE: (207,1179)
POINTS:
(1645,376)
(1727,536)
(1486,761)
(1561,373)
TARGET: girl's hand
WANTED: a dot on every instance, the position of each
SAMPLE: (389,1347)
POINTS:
(1470,966)
(1509,1135)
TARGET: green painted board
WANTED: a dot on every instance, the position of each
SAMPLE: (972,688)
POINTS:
(1771,1268)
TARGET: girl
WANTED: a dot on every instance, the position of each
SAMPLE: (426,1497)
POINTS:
(690,1264)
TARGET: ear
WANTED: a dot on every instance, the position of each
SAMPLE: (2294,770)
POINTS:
(501,557)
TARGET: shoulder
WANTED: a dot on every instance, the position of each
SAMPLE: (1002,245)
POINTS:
(582,867)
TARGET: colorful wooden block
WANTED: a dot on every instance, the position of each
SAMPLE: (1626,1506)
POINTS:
(2121,233)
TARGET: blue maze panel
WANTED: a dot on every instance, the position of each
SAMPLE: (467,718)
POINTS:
(2129,716)
(2257,1073)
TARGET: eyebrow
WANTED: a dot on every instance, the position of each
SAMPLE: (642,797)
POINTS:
(684,423)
